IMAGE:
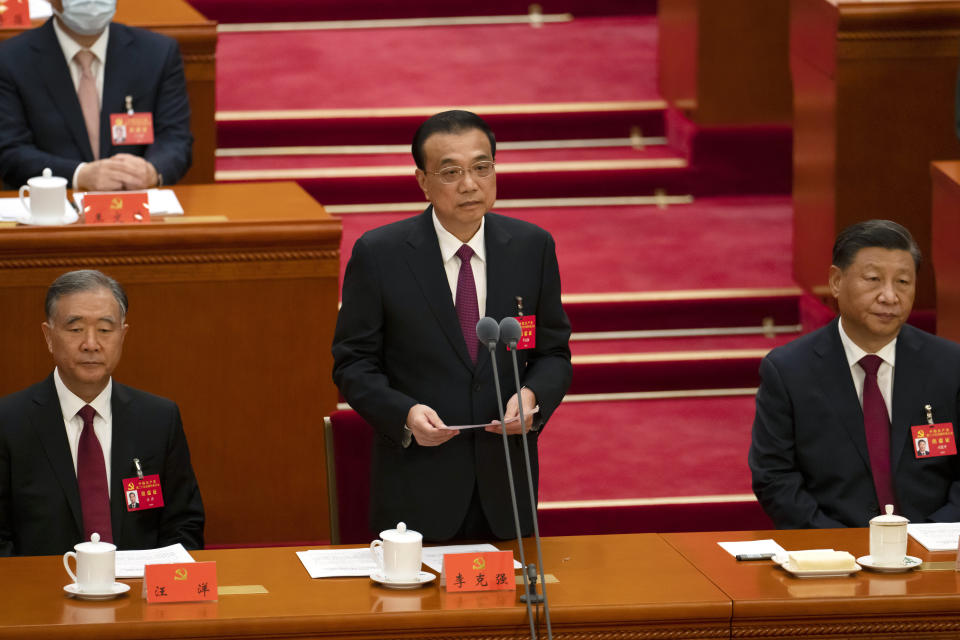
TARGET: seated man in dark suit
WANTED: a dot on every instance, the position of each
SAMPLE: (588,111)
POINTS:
(60,82)
(406,354)
(838,410)
(69,443)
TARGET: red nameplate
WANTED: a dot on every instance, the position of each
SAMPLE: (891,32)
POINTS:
(116,207)
(14,13)
(486,571)
(131,128)
(187,582)
(932,440)
(143,493)
(528,332)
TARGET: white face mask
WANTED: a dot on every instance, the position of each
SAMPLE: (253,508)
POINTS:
(87,17)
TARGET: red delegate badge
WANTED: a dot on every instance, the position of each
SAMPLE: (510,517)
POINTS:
(14,13)
(528,332)
(116,207)
(932,440)
(143,493)
(131,128)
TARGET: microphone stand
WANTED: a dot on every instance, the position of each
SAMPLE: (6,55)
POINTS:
(491,343)
(510,337)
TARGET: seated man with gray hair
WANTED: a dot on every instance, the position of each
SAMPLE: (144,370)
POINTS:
(73,445)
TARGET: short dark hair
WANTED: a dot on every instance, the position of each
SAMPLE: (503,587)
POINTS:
(84,280)
(455,121)
(885,234)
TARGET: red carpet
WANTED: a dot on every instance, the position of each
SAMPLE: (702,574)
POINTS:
(666,345)
(301,10)
(468,65)
(646,449)
(714,243)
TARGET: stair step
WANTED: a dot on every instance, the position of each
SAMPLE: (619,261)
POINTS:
(688,309)
(377,126)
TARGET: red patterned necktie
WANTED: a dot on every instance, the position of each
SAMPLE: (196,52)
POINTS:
(876,424)
(468,311)
(89,99)
(92,480)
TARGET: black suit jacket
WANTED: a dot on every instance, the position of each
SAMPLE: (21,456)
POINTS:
(41,123)
(398,343)
(39,496)
(809,458)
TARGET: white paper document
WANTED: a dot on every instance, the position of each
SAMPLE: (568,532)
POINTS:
(334,563)
(936,536)
(751,547)
(11,209)
(130,563)
(40,9)
(433,556)
(536,410)
(161,202)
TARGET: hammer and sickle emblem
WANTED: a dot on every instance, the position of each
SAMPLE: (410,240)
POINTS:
(116,203)
(479,564)
(180,574)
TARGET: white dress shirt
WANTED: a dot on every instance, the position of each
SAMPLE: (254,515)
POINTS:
(449,245)
(70,404)
(884,374)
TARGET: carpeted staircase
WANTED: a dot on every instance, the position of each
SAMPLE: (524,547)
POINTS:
(674,243)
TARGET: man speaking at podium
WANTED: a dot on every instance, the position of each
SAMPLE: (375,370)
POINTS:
(61,82)
(406,354)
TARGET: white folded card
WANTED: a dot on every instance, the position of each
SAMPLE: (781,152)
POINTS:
(130,563)
(512,420)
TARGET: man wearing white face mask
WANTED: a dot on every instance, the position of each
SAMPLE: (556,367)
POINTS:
(59,84)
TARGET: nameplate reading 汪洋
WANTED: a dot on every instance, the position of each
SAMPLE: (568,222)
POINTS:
(181,582)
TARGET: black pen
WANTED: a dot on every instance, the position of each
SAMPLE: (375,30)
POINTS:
(754,556)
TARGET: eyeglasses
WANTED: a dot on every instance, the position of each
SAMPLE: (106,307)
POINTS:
(452,174)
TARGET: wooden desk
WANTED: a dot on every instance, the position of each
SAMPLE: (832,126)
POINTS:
(874,86)
(232,319)
(611,587)
(725,62)
(197,37)
(768,602)
(945,230)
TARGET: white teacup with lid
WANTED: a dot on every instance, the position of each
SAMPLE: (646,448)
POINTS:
(96,565)
(398,554)
(888,539)
(48,198)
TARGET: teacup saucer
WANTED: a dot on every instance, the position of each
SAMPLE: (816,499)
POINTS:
(909,563)
(422,579)
(70,216)
(117,589)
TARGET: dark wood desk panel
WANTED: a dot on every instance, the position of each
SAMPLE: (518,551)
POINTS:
(874,85)
(232,319)
(197,37)
(624,587)
(945,237)
(725,62)
(769,602)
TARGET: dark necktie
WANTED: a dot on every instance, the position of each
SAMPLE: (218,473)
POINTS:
(92,480)
(468,311)
(876,424)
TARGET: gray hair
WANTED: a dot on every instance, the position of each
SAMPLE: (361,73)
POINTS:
(84,280)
